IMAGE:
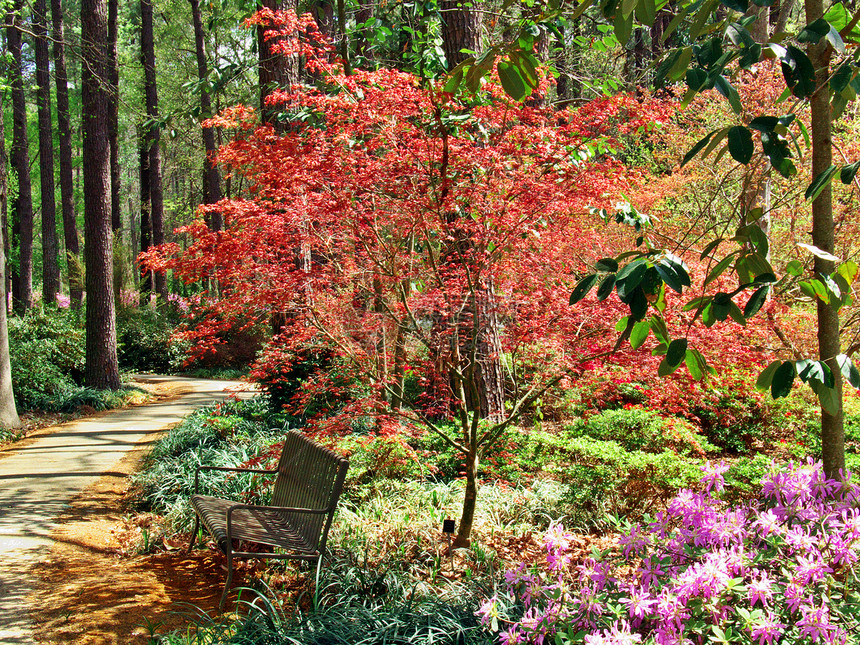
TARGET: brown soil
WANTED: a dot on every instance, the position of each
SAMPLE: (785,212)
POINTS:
(93,588)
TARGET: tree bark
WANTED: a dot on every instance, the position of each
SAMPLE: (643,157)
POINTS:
(113,62)
(22,205)
(211,176)
(50,250)
(145,213)
(275,71)
(823,236)
(101,369)
(461,29)
(8,411)
(64,136)
(156,195)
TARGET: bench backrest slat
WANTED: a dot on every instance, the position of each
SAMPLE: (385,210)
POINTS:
(309,476)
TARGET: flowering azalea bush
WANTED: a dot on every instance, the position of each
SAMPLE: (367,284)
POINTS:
(782,570)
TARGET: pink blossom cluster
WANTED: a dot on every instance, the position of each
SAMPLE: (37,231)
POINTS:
(780,570)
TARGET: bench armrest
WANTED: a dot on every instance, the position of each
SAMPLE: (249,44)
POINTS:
(272,471)
(280,509)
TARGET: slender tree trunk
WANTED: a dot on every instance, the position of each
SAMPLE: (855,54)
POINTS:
(64,136)
(823,236)
(211,176)
(22,205)
(8,411)
(4,198)
(145,213)
(365,13)
(50,250)
(156,195)
(101,369)
(113,62)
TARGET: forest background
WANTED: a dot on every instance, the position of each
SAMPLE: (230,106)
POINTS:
(417,206)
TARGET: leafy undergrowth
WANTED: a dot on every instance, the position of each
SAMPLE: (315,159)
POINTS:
(389,560)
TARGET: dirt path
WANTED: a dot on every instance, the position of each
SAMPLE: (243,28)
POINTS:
(65,572)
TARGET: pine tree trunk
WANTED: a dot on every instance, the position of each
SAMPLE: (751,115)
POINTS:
(101,369)
(461,29)
(211,176)
(8,411)
(64,136)
(156,196)
(823,236)
(145,212)
(274,70)
(22,205)
(50,250)
(113,62)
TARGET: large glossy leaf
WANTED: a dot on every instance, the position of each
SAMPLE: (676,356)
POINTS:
(512,82)
(757,299)
(849,371)
(639,334)
(676,352)
(740,144)
(847,173)
(799,72)
(821,181)
(765,378)
(783,379)
(605,288)
(582,288)
(722,85)
(610,265)
(630,275)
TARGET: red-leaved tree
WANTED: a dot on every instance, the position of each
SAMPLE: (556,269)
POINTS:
(411,232)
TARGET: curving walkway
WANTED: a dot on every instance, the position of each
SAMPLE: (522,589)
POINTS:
(39,477)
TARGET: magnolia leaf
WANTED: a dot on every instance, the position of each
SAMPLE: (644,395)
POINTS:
(661,332)
(638,304)
(691,360)
(698,147)
(718,270)
(765,378)
(606,264)
(512,82)
(710,247)
(848,270)
(847,173)
(741,146)
(605,288)
(819,253)
(783,379)
(665,368)
(639,334)
(794,268)
(676,352)
(849,370)
(756,301)
(722,85)
(582,288)
(827,397)
(621,325)
(820,182)
(630,275)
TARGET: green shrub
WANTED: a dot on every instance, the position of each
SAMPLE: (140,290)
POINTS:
(144,340)
(47,352)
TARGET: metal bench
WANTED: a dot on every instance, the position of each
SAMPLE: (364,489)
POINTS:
(304,496)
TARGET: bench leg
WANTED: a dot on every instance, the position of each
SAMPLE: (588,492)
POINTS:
(194,532)
(226,584)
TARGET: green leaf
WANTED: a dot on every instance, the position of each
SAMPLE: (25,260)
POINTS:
(623,26)
(756,301)
(646,11)
(638,304)
(849,371)
(606,264)
(741,146)
(848,270)
(718,270)
(794,268)
(710,247)
(665,368)
(627,7)
(582,288)
(736,314)
(605,287)
(838,16)
(820,182)
(640,333)
(799,72)
(697,148)
(847,173)
(842,76)
(783,379)
(722,85)
(827,396)
(661,332)
(621,325)
(630,275)
(676,352)
(453,82)
(512,82)
(580,9)
(814,31)
(693,365)
(765,378)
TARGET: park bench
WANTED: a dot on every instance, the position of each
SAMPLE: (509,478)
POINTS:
(308,483)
